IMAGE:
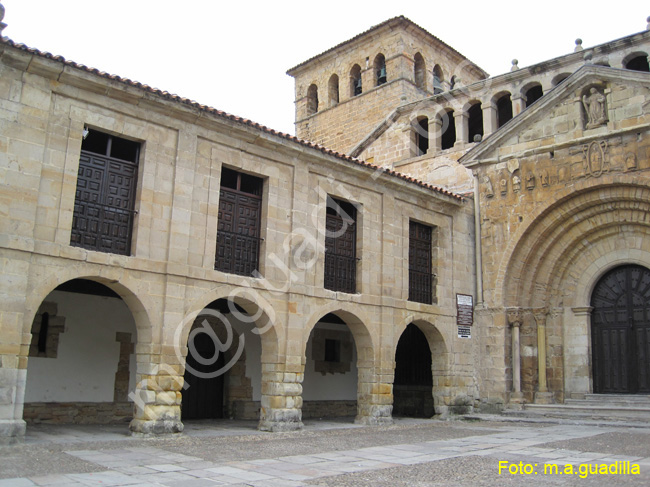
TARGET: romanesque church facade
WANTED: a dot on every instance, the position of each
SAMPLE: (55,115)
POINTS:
(432,241)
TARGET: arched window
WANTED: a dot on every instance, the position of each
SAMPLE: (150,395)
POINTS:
(533,94)
(333,89)
(452,82)
(638,62)
(559,78)
(437,80)
(475,122)
(312,100)
(420,130)
(504,109)
(380,70)
(420,72)
(355,81)
(448,136)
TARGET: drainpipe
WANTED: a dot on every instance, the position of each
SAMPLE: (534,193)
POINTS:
(477,242)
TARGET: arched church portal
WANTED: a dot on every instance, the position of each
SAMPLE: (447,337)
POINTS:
(620,331)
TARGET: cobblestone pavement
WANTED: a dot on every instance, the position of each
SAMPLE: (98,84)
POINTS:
(409,453)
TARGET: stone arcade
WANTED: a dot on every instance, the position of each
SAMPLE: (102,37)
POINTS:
(143,234)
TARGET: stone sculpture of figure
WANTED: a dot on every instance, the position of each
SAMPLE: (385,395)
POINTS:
(595,108)
(489,191)
(504,186)
(516,184)
(530,181)
(544,177)
(630,161)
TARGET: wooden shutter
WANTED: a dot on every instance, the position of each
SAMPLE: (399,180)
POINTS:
(420,263)
(104,203)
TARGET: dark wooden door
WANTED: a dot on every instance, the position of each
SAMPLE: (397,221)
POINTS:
(412,386)
(238,232)
(620,331)
(104,202)
(203,399)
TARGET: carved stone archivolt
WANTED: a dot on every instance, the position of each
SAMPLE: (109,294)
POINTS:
(595,104)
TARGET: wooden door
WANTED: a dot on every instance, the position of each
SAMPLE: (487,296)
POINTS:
(104,202)
(238,232)
(203,399)
(620,331)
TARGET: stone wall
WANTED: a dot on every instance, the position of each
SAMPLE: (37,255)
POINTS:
(328,409)
(169,278)
(78,412)
(575,192)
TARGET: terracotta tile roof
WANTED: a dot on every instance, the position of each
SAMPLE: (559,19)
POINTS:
(186,101)
(398,19)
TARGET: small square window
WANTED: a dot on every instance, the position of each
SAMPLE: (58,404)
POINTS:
(332,350)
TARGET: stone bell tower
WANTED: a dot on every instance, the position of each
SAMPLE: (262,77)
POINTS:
(343,93)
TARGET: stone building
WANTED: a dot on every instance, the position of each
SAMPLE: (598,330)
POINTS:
(556,157)
(137,224)
(433,240)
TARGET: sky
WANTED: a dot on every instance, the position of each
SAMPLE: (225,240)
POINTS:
(234,55)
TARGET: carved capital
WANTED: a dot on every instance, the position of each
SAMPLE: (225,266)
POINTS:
(515,316)
(540,315)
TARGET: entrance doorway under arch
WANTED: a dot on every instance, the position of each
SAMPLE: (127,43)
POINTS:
(620,331)
(223,365)
(413,384)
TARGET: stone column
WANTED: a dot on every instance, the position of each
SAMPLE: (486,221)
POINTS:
(518,104)
(435,135)
(157,400)
(462,128)
(374,399)
(542,396)
(281,397)
(489,118)
(515,319)
(13,376)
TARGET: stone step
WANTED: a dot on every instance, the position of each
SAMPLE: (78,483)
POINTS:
(610,403)
(611,400)
(584,412)
(605,398)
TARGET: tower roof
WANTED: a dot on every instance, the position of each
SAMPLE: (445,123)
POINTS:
(399,21)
